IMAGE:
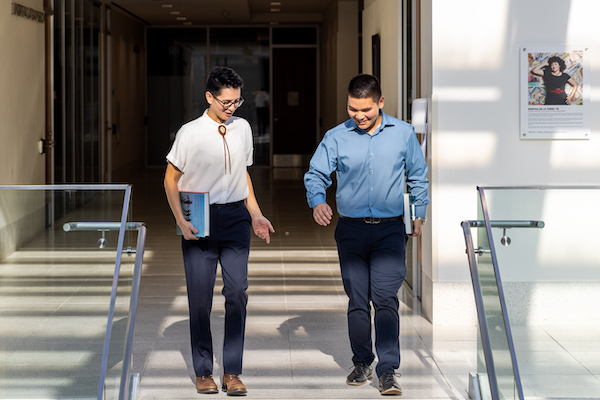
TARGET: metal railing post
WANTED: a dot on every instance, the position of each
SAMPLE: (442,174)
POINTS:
(485,339)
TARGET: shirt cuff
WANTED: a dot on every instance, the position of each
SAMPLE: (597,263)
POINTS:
(316,199)
(420,211)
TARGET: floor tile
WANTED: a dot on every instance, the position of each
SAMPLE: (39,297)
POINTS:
(297,344)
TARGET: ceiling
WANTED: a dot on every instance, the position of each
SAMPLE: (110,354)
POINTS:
(215,12)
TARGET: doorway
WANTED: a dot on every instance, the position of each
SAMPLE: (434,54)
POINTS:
(179,61)
(295,96)
(279,68)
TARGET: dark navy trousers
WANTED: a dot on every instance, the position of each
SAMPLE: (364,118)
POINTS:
(228,244)
(373,265)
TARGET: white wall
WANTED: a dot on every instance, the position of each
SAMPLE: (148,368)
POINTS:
(22,123)
(339,60)
(347,53)
(475,89)
(384,17)
(22,89)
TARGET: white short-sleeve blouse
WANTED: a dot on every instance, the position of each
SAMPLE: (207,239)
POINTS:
(199,153)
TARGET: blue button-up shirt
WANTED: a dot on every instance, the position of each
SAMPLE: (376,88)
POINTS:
(371,170)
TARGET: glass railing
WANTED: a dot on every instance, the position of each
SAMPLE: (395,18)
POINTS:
(536,277)
(70,264)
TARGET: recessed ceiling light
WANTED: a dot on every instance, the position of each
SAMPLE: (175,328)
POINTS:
(275,3)
(181,18)
(275,9)
(187,23)
(167,6)
(174,12)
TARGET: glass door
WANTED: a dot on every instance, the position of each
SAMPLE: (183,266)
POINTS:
(178,64)
(77,122)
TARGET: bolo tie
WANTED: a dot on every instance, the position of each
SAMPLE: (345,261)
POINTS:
(223,130)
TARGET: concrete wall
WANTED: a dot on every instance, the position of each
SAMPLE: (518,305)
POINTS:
(475,81)
(22,217)
(339,60)
(347,53)
(428,241)
(329,31)
(22,123)
(384,17)
(22,91)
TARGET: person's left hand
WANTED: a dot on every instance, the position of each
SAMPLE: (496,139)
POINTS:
(569,99)
(417,228)
(262,227)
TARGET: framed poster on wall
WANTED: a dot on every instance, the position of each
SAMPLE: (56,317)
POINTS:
(555,92)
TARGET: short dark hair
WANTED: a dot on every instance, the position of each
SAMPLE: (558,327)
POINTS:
(364,86)
(560,62)
(223,77)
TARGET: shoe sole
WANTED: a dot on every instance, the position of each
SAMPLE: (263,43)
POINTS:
(208,391)
(238,392)
(355,383)
(391,391)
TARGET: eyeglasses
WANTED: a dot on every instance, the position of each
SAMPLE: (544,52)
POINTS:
(227,105)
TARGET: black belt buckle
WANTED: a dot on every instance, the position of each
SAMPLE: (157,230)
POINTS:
(371,220)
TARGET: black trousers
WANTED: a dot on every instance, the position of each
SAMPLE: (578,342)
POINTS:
(228,244)
(373,265)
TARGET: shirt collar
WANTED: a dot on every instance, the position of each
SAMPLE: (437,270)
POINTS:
(214,124)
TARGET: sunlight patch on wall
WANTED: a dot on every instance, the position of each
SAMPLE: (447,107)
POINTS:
(565,247)
(580,12)
(453,203)
(468,94)
(575,154)
(466,149)
(475,39)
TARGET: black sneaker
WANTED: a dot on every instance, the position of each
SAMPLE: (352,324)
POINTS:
(362,372)
(388,384)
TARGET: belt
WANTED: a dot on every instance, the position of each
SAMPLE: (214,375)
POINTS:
(235,203)
(372,220)
(556,91)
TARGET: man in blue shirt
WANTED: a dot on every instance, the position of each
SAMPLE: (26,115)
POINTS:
(373,155)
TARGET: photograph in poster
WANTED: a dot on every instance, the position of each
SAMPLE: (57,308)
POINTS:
(554,93)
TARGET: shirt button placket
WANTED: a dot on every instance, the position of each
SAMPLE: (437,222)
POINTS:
(371,180)
(225,187)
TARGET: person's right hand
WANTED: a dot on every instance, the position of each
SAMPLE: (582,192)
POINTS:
(322,214)
(188,230)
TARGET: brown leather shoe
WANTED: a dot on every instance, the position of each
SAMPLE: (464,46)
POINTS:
(206,385)
(233,385)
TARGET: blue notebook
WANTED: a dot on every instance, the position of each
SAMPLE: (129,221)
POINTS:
(196,209)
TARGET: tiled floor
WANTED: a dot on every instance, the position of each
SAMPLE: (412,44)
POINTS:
(559,361)
(54,299)
(296,343)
